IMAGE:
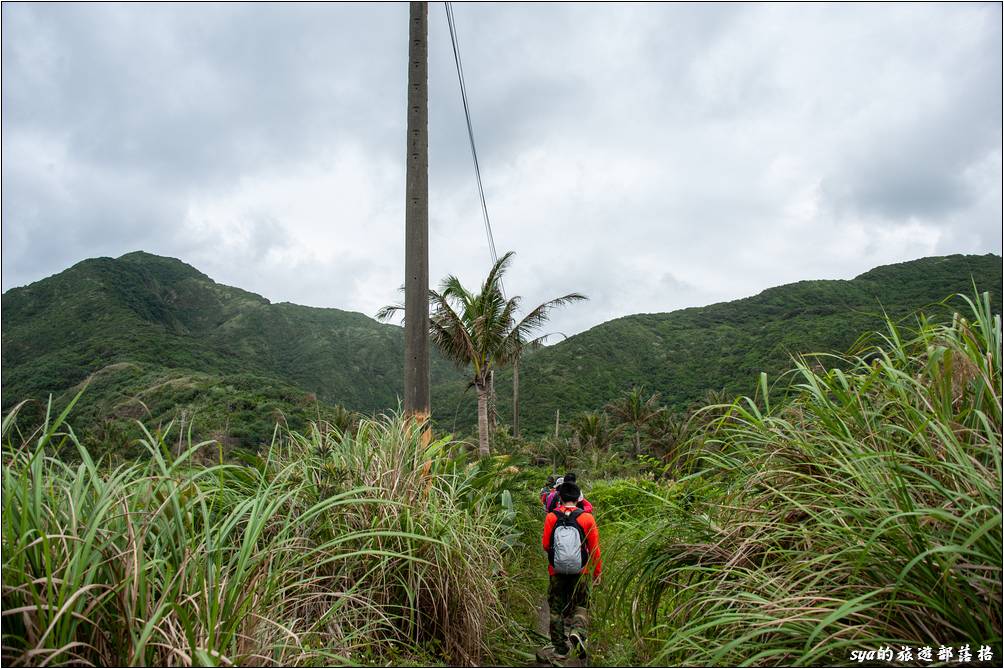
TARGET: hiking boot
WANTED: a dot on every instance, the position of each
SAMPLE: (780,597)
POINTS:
(555,654)
(552,655)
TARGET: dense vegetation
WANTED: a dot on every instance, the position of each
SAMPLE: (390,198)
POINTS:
(862,510)
(334,547)
(865,512)
(164,342)
(683,354)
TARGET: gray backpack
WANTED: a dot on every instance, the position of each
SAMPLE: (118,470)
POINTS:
(568,553)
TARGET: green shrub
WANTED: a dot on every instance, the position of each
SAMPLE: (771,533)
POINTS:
(624,499)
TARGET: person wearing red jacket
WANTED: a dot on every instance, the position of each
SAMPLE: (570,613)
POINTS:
(551,500)
(568,593)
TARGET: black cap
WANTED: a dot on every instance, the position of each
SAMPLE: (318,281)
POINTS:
(569,492)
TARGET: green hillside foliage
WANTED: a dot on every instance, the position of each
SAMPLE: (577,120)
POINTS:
(239,411)
(165,342)
(860,510)
(864,512)
(683,354)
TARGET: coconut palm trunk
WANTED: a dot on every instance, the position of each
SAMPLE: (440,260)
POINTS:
(515,398)
(492,405)
(483,391)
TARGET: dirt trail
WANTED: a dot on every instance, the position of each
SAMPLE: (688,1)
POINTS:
(543,618)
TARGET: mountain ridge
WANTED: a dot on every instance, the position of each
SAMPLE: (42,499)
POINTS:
(733,341)
(193,341)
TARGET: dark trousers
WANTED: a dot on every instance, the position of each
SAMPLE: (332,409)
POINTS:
(568,600)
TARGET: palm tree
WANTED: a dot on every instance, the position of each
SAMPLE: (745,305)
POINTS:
(712,406)
(668,432)
(480,331)
(343,420)
(634,410)
(593,430)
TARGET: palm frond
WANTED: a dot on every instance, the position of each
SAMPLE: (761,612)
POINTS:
(497,270)
(539,316)
(389,311)
(448,331)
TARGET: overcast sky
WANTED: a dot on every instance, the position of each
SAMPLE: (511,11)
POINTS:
(651,156)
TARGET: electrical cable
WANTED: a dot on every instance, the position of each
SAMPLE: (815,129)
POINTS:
(470,130)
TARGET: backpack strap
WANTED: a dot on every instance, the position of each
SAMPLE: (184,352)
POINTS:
(572,515)
(559,520)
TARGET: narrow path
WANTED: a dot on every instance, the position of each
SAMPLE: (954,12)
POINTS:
(543,628)
(543,618)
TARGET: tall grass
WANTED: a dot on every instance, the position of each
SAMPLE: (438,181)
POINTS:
(330,549)
(864,511)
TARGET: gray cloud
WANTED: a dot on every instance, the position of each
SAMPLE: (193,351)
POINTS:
(653,156)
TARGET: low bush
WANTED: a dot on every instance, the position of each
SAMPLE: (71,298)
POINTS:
(624,499)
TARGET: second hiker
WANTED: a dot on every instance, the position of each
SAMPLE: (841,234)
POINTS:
(552,500)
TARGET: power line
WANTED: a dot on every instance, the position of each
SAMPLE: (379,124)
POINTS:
(470,129)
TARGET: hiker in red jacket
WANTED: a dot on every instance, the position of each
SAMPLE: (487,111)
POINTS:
(572,542)
(552,500)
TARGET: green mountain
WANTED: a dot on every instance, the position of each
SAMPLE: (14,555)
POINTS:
(161,341)
(683,354)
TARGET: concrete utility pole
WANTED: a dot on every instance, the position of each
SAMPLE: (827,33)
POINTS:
(416,220)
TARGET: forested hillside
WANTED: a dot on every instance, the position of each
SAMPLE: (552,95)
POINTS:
(683,354)
(161,341)
(165,341)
